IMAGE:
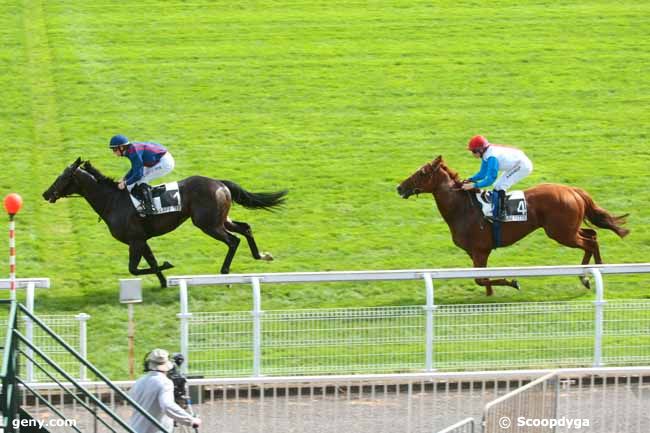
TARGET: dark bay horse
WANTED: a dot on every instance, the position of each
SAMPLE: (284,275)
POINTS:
(206,201)
(558,209)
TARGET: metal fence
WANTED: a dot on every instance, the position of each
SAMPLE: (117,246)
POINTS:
(604,400)
(535,401)
(71,328)
(354,340)
(414,338)
(595,401)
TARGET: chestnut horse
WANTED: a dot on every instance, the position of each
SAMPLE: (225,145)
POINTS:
(558,209)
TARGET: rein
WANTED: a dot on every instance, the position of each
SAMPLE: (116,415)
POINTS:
(99,217)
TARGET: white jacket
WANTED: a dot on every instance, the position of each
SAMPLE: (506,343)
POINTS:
(154,392)
(508,157)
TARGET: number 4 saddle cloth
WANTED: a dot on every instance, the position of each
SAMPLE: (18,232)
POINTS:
(516,208)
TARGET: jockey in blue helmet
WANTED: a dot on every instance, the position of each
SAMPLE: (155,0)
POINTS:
(148,161)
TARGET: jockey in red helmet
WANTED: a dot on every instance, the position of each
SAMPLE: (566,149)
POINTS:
(477,143)
(513,163)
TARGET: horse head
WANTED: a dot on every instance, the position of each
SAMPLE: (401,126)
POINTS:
(64,185)
(425,179)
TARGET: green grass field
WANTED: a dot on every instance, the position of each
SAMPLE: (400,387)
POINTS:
(336,101)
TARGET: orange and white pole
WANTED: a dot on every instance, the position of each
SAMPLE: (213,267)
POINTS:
(12,202)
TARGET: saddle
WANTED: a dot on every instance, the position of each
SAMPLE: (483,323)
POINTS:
(166,198)
(516,208)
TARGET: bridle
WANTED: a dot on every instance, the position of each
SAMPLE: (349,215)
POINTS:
(69,178)
(418,175)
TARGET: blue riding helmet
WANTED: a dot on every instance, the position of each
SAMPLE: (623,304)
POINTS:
(118,140)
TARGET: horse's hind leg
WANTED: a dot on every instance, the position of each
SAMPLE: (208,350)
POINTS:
(221,234)
(592,238)
(588,237)
(577,237)
(245,229)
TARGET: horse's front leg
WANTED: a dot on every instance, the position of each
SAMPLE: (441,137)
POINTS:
(153,263)
(480,258)
(136,250)
(135,255)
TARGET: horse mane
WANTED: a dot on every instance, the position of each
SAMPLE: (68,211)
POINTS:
(453,174)
(87,166)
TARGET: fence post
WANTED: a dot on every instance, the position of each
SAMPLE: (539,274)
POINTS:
(83,340)
(184,316)
(599,305)
(257,327)
(29,329)
(429,309)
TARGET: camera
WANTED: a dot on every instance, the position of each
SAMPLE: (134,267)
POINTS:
(179,380)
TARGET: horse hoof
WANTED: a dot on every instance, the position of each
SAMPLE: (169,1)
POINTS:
(585,282)
(515,284)
(266,257)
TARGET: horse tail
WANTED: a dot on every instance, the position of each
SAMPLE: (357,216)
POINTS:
(255,200)
(600,217)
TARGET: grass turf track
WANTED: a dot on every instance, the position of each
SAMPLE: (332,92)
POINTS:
(337,101)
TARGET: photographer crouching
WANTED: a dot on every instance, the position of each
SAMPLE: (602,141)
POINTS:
(154,392)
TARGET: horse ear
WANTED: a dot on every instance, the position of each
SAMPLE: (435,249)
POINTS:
(438,159)
(77,163)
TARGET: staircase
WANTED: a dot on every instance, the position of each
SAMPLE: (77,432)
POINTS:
(16,349)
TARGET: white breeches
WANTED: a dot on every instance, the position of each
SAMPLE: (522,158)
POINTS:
(164,166)
(514,175)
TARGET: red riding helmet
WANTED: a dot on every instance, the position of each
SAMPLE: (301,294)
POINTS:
(478,142)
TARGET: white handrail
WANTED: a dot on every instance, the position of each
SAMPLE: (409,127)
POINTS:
(23,283)
(412,274)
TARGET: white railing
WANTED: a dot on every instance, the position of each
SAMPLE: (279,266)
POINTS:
(26,283)
(248,335)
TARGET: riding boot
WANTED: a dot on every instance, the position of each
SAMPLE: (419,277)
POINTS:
(502,205)
(496,218)
(496,205)
(147,199)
